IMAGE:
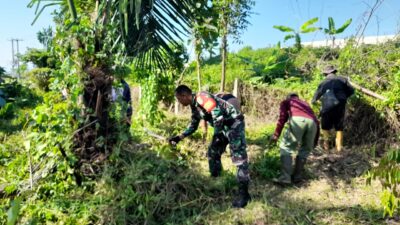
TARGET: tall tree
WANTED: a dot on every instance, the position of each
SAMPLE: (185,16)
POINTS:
(233,20)
(2,71)
(45,36)
(2,97)
(204,33)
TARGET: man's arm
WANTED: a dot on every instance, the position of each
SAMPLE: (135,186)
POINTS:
(194,123)
(283,118)
(317,94)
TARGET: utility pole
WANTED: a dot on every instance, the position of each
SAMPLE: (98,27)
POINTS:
(15,56)
(12,57)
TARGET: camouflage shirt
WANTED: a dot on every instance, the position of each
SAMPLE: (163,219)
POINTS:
(217,112)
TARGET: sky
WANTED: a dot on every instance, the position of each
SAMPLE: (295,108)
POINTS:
(293,13)
(15,22)
(16,19)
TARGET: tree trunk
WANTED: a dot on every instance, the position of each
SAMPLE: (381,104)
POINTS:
(95,138)
(198,61)
(223,57)
(333,42)
(198,64)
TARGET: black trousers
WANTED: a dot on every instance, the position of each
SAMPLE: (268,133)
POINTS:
(334,118)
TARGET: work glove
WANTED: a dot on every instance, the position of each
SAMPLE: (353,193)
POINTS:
(174,140)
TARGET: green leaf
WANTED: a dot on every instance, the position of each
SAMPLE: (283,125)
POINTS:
(327,31)
(310,29)
(344,26)
(138,5)
(289,36)
(14,211)
(331,24)
(308,23)
(2,102)
(283,28)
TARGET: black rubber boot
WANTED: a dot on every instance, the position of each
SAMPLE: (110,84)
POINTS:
(286,171)
(244,197)
(299,170)
(215,167)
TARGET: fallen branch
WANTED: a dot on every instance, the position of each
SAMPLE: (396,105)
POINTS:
(371,93)
(368,92)
(94,121)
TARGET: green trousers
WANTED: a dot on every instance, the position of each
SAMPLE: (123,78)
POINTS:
(300,134)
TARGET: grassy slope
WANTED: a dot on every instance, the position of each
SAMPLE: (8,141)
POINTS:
(327,198)
(161,185)
(166,186)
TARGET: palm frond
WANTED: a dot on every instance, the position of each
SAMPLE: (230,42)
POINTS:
(344,26)
(161,27)
(148,28)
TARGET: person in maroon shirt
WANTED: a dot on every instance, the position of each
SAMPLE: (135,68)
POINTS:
(303,132)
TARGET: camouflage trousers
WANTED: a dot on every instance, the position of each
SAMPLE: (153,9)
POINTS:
(235,137)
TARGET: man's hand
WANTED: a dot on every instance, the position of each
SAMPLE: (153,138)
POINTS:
(175,140)
(274,139)
(217,140)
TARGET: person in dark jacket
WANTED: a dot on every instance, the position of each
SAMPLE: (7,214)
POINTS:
(333,117)
(124,93)
(303,132)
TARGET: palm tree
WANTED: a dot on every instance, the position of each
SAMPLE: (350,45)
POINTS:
(103,34)
(45,36)
(148,28)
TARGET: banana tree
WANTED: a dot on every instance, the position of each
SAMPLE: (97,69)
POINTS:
(295,34)
(332,31)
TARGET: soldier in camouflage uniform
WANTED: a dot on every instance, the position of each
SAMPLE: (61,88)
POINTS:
(226,120)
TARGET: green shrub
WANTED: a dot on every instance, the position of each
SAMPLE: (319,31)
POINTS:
(40,77)
(7,111)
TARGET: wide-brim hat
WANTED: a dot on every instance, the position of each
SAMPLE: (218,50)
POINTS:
(329,69)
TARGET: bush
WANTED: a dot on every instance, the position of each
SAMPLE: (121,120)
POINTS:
(40,77)
(7,111)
